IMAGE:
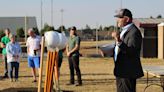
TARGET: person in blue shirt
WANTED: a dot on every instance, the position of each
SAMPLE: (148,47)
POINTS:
(13,50)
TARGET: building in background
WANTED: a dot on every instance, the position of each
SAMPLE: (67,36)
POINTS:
(13,23)
(149,30)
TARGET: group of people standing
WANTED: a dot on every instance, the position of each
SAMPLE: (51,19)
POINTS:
(126,53)
(72,50)
(12,53)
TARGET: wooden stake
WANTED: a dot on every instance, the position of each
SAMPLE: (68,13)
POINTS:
(56,72)
(53,57)
(51,71)
(41,64)
(47,66)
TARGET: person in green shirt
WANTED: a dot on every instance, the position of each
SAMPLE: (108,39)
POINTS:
(72,50)
(4,41)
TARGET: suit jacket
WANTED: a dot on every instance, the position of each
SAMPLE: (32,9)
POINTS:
(128,64)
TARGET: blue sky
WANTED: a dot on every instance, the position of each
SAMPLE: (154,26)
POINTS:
(81,12)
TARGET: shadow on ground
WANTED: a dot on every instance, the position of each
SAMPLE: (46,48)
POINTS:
(26,90)
(19,90)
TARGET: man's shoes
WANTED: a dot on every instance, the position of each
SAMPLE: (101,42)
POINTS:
(78,84)
(5,76)
(70,84)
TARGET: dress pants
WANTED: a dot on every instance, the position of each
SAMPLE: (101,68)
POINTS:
(74,64)
(126,84)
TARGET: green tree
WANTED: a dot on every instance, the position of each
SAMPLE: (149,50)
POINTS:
(20,33)
(106,29)
(87,27)
(42,32)
(36,30)
(47,28)
(87,30)
(159,16)
(61,28)
(100,28)
(112,28)
(151,17)
(2,33)
(50,28)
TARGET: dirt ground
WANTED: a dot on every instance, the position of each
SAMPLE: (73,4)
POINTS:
(97,76)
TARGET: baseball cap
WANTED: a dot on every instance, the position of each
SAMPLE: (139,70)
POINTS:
(124,12)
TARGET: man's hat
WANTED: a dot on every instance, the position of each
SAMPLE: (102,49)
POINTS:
(124,12)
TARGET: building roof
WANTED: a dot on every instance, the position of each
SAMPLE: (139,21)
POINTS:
(148,22)
(13,23)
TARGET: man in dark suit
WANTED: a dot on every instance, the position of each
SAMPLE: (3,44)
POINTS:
(127,52)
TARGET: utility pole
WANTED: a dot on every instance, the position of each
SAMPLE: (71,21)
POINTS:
(97,38)
(51,12)
(25,27)
(42,50)
(41,14)
(62,10)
